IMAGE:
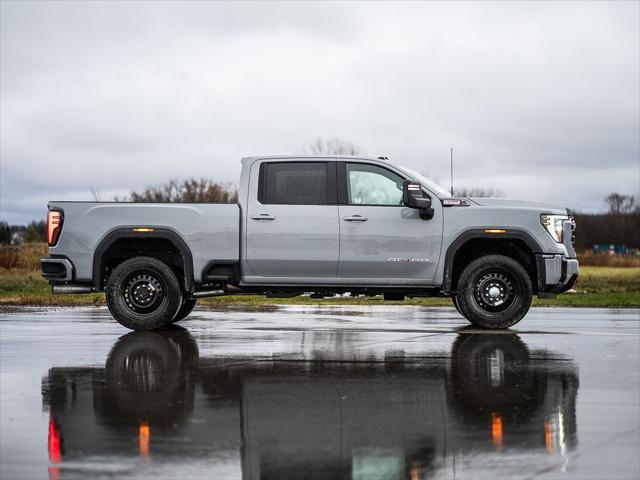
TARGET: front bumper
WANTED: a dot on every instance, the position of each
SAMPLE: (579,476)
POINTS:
(556,273)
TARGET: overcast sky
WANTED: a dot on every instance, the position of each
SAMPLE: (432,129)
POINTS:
(539,100)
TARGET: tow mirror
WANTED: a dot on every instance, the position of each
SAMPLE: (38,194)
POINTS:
(413,197)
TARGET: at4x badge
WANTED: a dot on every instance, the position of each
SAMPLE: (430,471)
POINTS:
(408,260)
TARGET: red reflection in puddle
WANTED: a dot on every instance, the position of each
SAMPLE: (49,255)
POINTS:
(55,449)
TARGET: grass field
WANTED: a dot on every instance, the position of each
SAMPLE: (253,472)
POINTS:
(597,287)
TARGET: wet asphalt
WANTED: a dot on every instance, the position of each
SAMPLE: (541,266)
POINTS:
(306,392)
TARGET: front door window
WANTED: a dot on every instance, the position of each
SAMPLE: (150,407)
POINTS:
(373,185)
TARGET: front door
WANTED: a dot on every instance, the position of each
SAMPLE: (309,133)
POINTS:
(381,240)
(292,225)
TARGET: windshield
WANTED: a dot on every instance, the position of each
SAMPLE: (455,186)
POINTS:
(441,192)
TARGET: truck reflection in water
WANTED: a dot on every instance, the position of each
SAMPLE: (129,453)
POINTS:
(420,416)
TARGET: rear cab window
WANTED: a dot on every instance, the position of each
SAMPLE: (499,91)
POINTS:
(297,183)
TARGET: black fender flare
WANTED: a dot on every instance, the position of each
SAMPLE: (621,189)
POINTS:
(153,232)
(474,233)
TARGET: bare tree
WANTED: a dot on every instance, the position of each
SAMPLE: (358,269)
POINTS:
(621,204)
(333,146)
(95,193)
(619,226)
(478,192)
(36,231)
(192,190)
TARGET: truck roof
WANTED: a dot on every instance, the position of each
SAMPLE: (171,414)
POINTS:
(307,157)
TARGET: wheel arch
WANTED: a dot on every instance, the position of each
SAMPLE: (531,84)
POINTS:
(122,234)
(473,243)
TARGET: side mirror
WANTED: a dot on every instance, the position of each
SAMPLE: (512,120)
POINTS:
(413,197)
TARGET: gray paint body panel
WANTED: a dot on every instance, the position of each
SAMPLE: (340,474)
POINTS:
(301,242)
(307,245)
(210,231)
(393,244)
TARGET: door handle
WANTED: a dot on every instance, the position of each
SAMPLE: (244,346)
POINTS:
(263,216)
(356,218)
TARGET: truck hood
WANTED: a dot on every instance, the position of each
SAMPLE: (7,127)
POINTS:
(517,204)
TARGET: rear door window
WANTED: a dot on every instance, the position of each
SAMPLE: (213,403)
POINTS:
(294,183)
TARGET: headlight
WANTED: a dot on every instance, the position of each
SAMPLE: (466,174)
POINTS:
(554,225)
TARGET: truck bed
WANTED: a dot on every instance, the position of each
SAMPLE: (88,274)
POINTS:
(211,231)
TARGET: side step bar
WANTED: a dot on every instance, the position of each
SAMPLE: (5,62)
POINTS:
(67,288)
(72,289)
(209,293)
(226,290)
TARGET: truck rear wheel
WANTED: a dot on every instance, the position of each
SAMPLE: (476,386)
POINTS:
(494,291)
(143,293)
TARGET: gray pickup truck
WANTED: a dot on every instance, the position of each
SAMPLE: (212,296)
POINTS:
(324,225)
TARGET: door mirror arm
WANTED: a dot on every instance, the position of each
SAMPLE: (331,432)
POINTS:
(413,197)
(426,213)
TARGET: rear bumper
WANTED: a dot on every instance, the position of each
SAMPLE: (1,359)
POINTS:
(57,269)
(556,273)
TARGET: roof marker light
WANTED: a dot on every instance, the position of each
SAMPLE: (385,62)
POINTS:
(144,230)
(494,230)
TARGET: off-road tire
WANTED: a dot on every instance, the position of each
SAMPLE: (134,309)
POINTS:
(494,273)
(143,293)
(187,307)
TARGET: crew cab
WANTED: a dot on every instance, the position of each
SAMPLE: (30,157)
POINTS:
(319,225)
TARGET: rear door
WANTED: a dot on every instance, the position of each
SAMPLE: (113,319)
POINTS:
(292,231)
(381,240)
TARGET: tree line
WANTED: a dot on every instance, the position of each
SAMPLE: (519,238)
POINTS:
(192,190)
(36,231)
(619,225)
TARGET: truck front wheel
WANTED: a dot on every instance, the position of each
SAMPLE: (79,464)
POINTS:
(494,291)
(143,293)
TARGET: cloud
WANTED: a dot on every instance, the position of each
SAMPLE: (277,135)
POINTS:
(538,100)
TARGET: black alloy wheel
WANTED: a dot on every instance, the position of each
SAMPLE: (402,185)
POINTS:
(495,291)
(143,292)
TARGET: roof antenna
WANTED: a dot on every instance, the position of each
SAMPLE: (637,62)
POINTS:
(452,171)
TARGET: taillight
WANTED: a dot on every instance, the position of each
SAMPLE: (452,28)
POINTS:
(54,226)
